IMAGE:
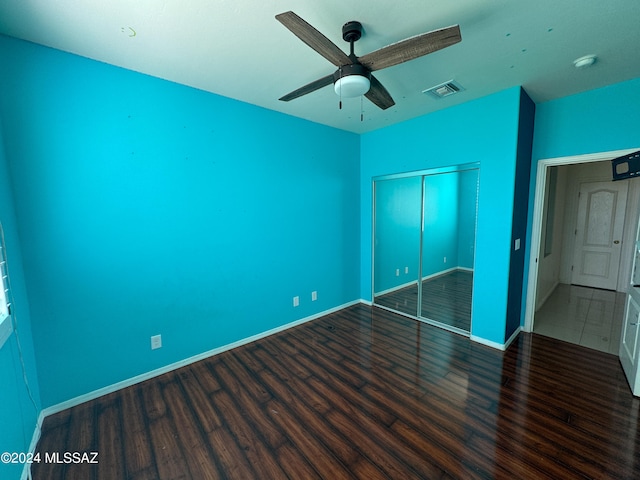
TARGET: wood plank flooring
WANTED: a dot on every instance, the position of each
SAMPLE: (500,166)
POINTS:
(362,393)
(445,299)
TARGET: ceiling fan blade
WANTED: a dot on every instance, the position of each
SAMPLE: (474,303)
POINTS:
(308,88)
(314,39)
(411,48)
(379,95)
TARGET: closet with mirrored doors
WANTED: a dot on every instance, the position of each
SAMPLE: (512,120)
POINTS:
(424,231)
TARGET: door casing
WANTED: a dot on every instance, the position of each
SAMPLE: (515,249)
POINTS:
(536,228)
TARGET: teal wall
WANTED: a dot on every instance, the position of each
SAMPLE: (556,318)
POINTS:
(601,120)
(397,239)
(467,211)
(18,412)
(484,131)
(440,237)
(145,207)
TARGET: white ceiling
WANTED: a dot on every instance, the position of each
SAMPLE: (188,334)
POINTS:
(236,48)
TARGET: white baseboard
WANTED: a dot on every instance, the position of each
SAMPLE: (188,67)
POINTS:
(426,277)
(396,288)
(513,336)
(35,438)
(496,345)
(181,363)
(541,301)
(488,343)
(440,273)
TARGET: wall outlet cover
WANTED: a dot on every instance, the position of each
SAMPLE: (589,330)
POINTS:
(156,342)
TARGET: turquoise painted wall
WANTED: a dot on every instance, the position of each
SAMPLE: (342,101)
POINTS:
(601,120)
(483,130)
(467,211)
(440,237)
(397,239)
(145,207)
(18,413)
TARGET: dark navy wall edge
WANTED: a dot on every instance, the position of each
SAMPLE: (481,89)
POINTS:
(520,209)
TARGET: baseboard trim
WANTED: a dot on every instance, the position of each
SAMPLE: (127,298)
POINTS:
(441,273)
(397,287)
(35,438)
(513,336)
(541,301)
(181,363)
(496,345)
(425,278)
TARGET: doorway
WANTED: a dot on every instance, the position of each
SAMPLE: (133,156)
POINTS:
(553,255)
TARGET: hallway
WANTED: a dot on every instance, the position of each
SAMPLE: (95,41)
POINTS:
(584,316)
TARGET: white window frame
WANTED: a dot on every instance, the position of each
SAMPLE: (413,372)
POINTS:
(6,324)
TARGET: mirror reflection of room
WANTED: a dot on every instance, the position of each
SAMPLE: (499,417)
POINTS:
(425,229)
(398,210)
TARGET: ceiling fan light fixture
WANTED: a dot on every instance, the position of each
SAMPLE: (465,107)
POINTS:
(351,81)
(352,86)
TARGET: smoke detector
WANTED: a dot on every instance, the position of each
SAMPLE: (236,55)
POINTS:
(584,62)
(445,89)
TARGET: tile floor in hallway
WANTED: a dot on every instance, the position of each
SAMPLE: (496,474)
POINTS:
(585,316)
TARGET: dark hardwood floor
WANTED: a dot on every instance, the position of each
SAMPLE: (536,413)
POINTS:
(362,393)
(445,299)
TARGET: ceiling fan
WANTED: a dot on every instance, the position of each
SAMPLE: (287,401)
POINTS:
(353,76)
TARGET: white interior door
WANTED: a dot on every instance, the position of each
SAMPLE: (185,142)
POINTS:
(629,352)
(601,210)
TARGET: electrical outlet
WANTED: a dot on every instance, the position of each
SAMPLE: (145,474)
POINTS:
(406,270)
(156,342)
(397,272)
(296,301)
(314,296)
(445,260)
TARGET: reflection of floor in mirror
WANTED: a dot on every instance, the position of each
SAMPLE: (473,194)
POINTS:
(445,299)
(585,316)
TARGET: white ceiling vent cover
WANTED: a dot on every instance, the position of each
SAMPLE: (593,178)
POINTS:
(444,89)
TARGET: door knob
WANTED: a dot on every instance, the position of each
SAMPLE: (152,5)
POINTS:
(616,242)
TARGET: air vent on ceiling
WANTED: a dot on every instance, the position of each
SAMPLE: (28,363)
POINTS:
(444,89)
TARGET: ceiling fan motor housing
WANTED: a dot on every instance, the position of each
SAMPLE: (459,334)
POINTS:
(353,69)
(352,31)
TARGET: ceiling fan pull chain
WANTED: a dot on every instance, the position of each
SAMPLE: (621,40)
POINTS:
(361,108)
(340,103)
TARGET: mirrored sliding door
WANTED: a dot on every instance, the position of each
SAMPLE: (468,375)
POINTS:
(397,225)
(424,244)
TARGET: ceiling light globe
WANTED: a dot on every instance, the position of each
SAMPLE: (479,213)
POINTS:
(352,86)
